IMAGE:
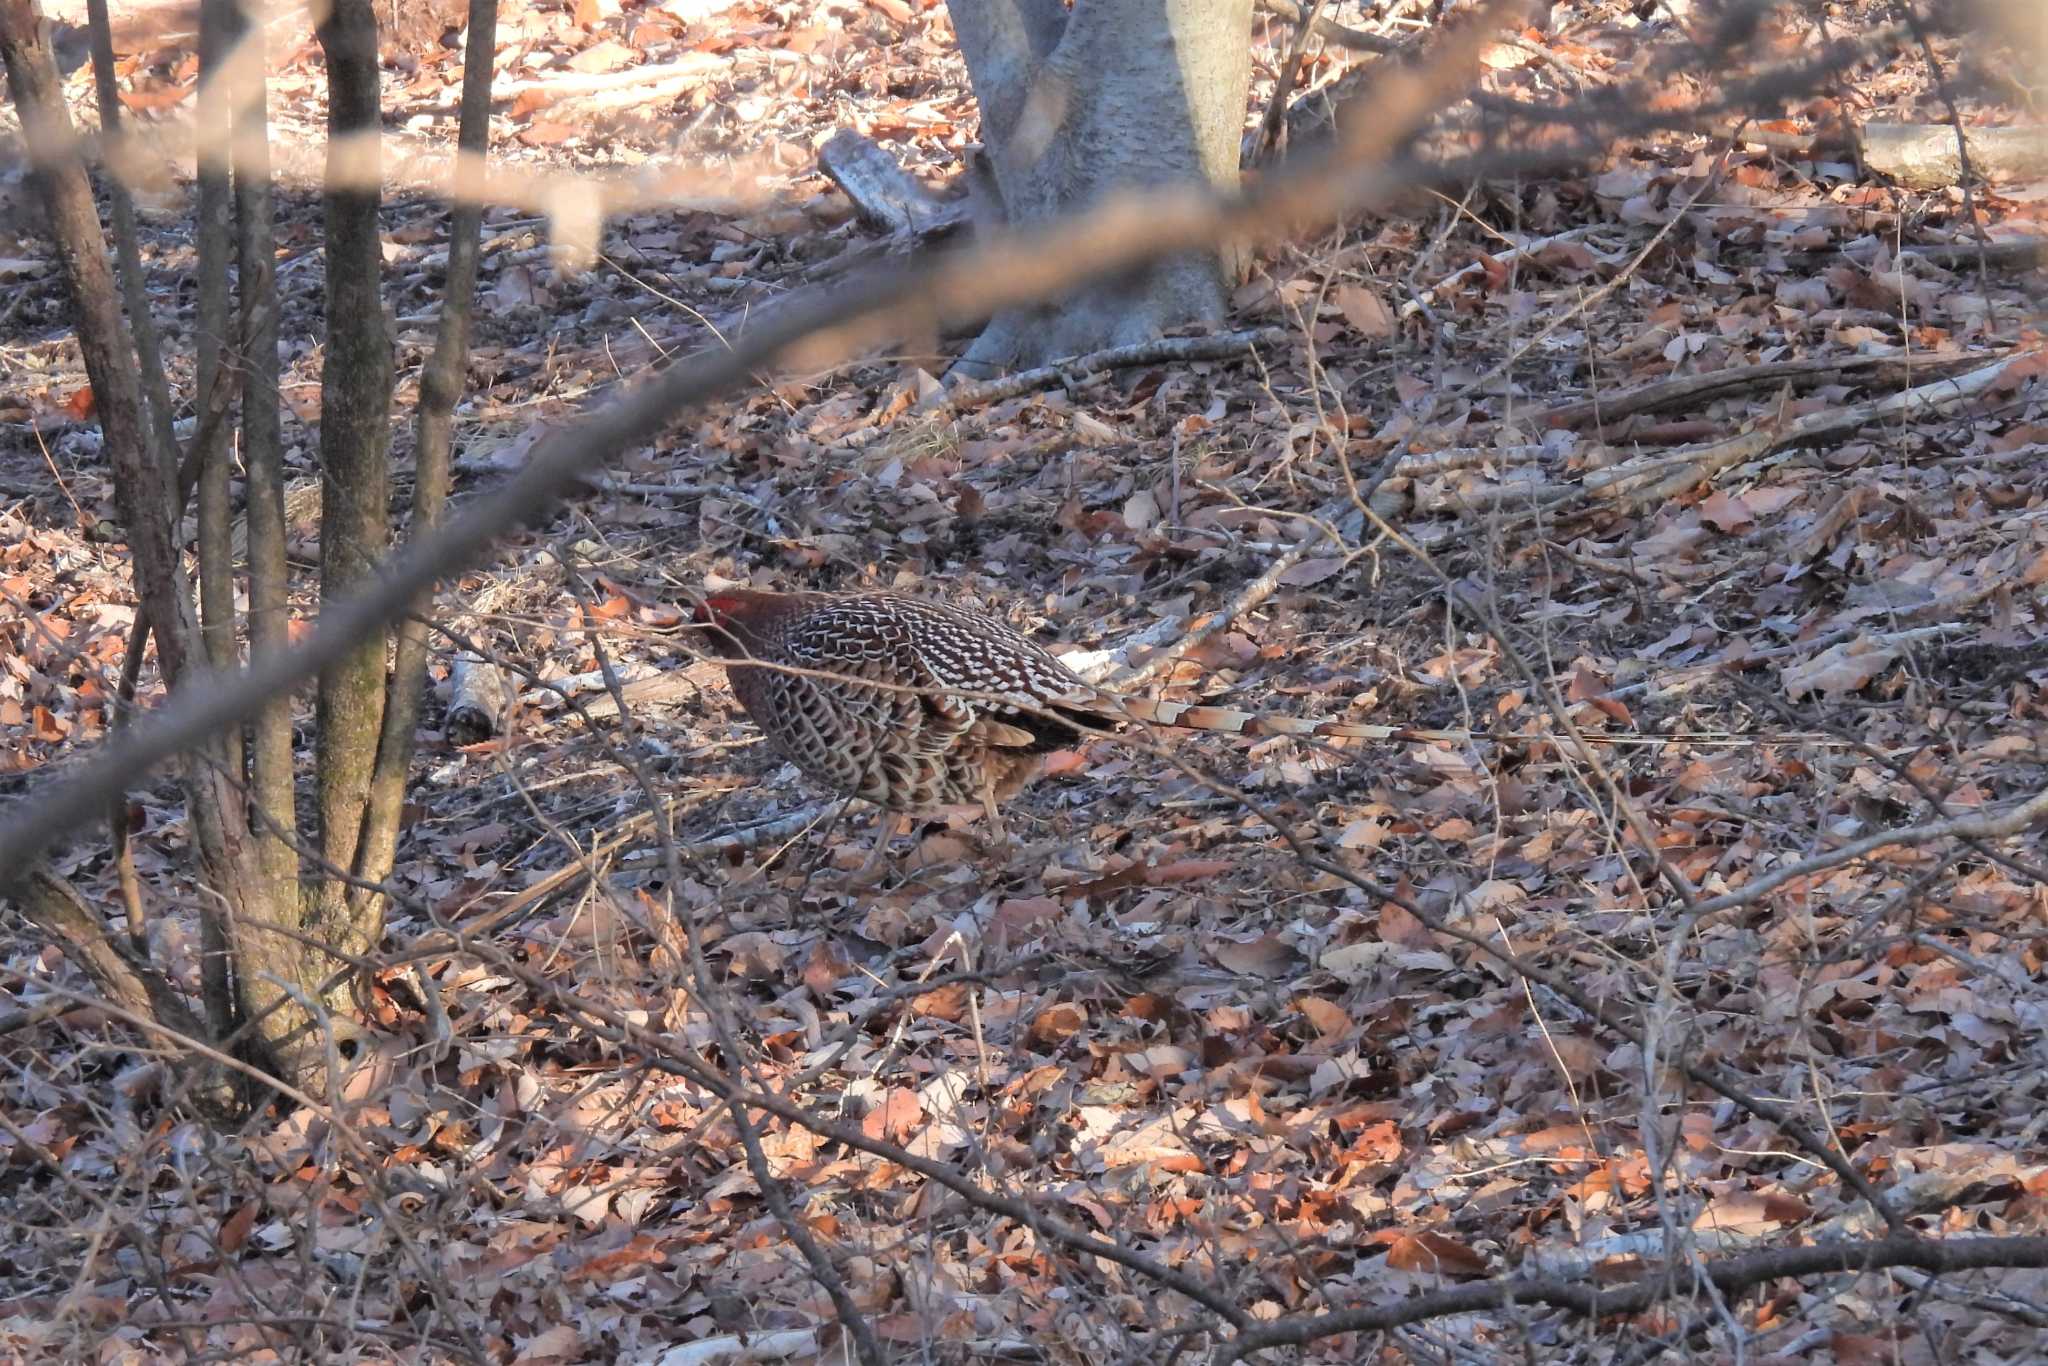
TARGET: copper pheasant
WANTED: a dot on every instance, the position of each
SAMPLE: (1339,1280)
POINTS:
(912,704)
(965,712)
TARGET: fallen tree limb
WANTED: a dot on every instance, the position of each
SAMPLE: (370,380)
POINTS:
(666,686)
(1924,156)
(1982,826)
(480,694)
(887,197)
(1651,480)
(694,67)
(1077,370)
(1733,1276)
(478,697)
(1701,464)
(2005,1306)
(1685,389)
(2011,251)
(1920,156)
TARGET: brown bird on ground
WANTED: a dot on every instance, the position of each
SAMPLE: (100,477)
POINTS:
(912,704)
(966,712)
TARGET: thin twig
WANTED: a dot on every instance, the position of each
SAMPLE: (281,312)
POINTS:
(1291,68)
(1331,31)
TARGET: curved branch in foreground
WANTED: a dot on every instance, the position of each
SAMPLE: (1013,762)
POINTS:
(1077,370)
(1010,270)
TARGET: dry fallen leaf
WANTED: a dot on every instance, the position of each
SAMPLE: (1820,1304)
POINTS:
(1724,512)
(1263,956)
(900,1112)
(1057,1023)
(1435,1254)
(1308,573)
(1752,1213)
(1839,670)
(1367,313)
(1329,1018)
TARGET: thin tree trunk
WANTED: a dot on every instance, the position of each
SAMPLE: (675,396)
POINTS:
(156,388)
(269,964)
(217,26)
(215,214)
(156,426)
(139,490)
(440,390)
(272,778)
(355,413)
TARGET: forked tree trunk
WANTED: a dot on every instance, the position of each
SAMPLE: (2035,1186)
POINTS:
(148,513)
(295,947)
(1116,96)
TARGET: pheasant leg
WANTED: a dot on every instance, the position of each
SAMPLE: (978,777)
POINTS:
(998,836)
(886,830)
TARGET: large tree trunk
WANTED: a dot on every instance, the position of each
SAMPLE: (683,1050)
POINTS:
(1118,96)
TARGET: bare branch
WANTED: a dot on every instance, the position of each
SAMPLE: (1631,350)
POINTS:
(1330,30)
(1079,370)
(1011,269)
(1731,1275)
(1986,825)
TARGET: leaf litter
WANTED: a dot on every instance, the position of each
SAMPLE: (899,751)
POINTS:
(1146,1013)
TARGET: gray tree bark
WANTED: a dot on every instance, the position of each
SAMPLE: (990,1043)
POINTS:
(355,490)
(1116,96)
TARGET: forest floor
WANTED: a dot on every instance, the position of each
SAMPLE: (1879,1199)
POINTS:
(1201,1003)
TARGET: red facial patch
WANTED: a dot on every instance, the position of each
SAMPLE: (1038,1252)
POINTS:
(716,611)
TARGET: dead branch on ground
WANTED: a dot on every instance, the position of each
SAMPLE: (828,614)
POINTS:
(1079,370)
